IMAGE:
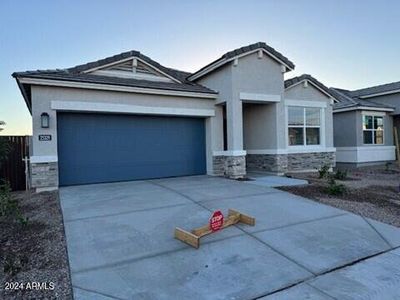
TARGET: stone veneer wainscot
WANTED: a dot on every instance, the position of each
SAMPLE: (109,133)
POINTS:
(281,163)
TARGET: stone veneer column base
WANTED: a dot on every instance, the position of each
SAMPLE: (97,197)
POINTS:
(229,166)
(44,176)
(282,163)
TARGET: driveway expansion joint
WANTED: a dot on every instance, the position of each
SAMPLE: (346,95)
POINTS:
(96,292)
(300,223)
(126,212)
(249,234)
(155,254)
(380,235)
(395,248)
(309,279)
(321,291)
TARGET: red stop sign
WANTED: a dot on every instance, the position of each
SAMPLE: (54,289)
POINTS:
(216,220)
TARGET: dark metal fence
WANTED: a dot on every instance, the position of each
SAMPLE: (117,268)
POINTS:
(13,168)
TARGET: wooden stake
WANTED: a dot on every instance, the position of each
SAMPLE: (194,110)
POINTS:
(193,238)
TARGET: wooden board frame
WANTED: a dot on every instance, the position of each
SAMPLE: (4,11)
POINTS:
(193,238)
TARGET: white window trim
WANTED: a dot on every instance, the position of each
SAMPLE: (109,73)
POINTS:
(305,103)
(321,127)
(373,115)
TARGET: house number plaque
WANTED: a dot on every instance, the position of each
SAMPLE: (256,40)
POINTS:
(44,137)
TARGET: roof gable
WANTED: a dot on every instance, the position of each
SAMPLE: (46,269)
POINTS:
(289,83)
(132,67)
(231,55)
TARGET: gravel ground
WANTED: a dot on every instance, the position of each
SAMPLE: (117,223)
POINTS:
(35,252)
(372,192)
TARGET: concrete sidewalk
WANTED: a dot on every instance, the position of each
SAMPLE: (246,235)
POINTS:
(121,246)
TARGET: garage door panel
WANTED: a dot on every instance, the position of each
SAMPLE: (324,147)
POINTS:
(104,148)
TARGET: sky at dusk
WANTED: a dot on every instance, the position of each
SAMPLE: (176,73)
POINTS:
(346,44)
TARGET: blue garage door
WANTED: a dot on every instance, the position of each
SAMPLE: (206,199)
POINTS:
(95,148)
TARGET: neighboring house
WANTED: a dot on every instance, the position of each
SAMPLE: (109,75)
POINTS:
(363,124)
(127,117)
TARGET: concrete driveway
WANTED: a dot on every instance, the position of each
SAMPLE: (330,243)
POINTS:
(121,246)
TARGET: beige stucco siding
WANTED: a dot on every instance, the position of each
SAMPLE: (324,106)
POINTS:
(43,96)
(259,126)
(257,75)
(392,100)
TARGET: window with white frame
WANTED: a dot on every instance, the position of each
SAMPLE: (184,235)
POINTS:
(304,126)
(372,130)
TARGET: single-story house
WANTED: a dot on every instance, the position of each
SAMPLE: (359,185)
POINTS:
(127,117)
(363,124)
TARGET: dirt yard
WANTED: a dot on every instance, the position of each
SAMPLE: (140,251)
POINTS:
(372,192)
(33,256)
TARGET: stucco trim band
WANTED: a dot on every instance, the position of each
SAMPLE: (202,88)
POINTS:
(230,153)
(292,151)
(43,159)
(339,110)
(124,108)
(260,97)
(305,103)
(365,154)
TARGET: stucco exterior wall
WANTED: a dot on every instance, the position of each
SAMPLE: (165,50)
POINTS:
(220,81)
(259,126)
(43,96)
(249,127)
(392,100)
(309,93)
(257,75)
(350,147)
(345,133)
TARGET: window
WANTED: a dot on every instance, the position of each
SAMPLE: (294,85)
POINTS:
(304,126)
(372,130)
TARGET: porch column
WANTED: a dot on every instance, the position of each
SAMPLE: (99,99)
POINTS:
(232,163)
(234,120)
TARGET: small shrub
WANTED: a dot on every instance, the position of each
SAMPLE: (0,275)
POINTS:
(13,263)
(334,188)
(340,175)
(323,171)
(387,166)
(9,207)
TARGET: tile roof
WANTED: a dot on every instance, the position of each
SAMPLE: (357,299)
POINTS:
(294,80)
(77,74)
(376,89)
(119,81)
(245,49)
(259,45)
(347,100)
